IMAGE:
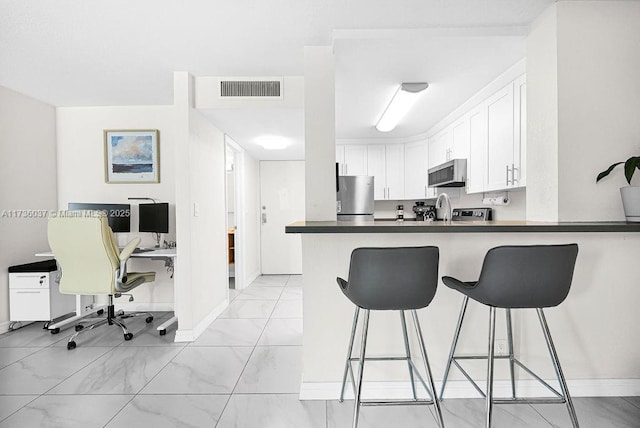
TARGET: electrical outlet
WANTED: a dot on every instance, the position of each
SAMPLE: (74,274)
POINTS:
(500,347)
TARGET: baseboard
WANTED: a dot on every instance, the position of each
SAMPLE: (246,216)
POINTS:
(191,335)
(463,389)
(251,277)
(4,326)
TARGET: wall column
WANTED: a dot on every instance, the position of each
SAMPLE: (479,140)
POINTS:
(320,141)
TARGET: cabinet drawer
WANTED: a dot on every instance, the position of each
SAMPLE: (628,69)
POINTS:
(29,305)
(37,280)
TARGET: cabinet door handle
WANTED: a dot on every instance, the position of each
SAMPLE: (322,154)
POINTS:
(507,166)
(513,174)
(29,292)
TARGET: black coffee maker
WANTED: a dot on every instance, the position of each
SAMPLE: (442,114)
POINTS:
(424,212)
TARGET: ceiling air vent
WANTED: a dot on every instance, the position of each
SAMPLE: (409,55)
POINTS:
(250,88)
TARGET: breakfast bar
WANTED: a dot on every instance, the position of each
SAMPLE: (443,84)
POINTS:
(594,330)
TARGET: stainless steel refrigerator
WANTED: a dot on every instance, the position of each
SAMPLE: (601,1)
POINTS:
(355,198)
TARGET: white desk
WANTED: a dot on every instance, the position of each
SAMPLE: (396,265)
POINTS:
(168,255)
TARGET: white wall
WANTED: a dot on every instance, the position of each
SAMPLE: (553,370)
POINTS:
(542,118)
(201,273)
(598,104)
(27,182)
(583,102)
(80,154)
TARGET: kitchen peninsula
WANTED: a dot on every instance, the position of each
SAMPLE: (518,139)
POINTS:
(594,329)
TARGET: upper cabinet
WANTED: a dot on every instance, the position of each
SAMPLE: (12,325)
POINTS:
(386,164)
(415,170)
(450,143)
(498,140)
(352,159)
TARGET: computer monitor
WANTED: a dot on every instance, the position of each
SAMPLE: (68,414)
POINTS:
(154,218)
(118,215)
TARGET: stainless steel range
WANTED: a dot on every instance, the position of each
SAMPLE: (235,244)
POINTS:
(471,214)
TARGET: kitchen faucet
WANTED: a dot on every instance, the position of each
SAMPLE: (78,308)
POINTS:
(447,214)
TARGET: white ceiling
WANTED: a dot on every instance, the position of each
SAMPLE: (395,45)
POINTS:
(122,52)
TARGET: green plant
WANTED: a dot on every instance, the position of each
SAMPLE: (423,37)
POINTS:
(630,167)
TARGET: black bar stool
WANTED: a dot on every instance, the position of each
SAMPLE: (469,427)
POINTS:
(515,277)
(391,279)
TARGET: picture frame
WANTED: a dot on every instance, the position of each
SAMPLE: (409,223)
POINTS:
(131,156)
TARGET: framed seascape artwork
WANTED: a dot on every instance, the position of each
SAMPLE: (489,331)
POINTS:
(131,156)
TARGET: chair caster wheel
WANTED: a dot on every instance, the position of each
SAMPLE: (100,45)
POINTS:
(79,327)
(163,332)
(100,311)
(128,336)
(71,345)
(148,320)
(55,331)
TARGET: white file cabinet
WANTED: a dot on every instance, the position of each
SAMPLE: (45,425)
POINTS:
(34,293)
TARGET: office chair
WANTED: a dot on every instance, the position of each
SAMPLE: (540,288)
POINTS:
(91,263)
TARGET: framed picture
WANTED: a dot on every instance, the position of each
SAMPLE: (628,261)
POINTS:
(131,156)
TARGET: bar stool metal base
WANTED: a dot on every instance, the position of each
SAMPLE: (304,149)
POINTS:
(413,371)
(562,397)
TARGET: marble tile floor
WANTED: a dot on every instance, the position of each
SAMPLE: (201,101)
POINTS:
(243,371)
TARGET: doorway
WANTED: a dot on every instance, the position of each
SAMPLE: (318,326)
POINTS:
(235,219)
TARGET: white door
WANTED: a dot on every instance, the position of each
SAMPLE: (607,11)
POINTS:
(281,203)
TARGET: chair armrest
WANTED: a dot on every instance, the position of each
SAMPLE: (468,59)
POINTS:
(342,283)
(128,250)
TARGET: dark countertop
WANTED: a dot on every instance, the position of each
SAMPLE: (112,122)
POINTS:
(383,226)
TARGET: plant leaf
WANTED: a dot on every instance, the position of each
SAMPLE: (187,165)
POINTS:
(606,172)
(630,167)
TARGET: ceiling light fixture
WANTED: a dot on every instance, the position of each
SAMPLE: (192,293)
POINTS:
(273,142)
(402,101)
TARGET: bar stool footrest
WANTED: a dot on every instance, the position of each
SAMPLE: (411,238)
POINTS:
(529,400)
(395,402)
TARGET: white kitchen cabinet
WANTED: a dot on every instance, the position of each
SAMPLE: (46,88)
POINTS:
(386,164)
(395,171)
(500,136)
(440,147)
(460,139)
(506,138)
(497,140)
(477,145)
(450,143)
(352,159)
(520,139)
(415,170)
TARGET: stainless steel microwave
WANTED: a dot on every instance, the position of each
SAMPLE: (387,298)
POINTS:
(449,174)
